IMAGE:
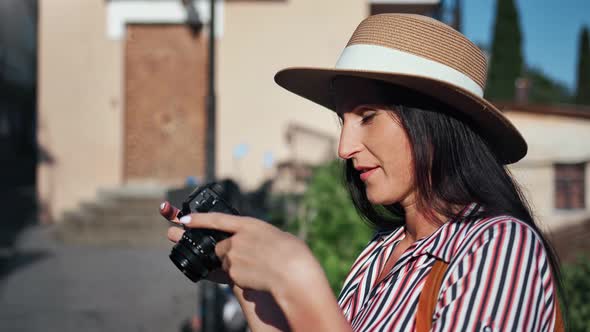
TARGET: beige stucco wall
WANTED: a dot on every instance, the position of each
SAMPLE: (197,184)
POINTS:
(79,103)
(80,89)
(551,139)
(261,37)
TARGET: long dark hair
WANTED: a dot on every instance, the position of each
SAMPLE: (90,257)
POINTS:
(453,166)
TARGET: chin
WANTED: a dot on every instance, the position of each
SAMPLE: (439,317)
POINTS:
(380,198)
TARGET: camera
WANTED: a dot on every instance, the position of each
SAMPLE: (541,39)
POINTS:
(194,254)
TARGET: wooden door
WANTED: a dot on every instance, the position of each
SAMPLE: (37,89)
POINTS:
(165,90)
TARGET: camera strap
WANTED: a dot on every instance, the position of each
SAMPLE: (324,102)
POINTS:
(429,297)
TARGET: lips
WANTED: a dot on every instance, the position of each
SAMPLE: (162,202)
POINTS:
(366,172)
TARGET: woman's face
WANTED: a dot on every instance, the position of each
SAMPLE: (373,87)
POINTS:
(375,141)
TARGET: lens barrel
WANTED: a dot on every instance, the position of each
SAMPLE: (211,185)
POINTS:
(194,254)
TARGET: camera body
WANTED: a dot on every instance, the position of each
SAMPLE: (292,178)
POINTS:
(194,254)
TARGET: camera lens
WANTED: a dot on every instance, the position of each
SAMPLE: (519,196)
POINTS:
(195,255)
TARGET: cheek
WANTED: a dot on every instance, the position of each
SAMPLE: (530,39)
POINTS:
(397,159)
(398,175)
(398,180)
(392,148)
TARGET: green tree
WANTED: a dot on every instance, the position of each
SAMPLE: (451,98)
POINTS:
(545,90)
(583,88)
(506,62)
(330,224)
(576,281)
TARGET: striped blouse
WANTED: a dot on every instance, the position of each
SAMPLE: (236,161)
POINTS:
(498,279)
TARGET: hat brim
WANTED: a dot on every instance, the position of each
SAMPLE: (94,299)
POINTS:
(505,140)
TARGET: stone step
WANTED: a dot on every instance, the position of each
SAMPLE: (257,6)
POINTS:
(118,209)
(133,192)
(109,237)
(131,203)
(125,216)
(81,228)
(130,230)
(77,219)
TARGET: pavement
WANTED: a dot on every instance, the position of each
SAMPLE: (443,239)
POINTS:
(48,286)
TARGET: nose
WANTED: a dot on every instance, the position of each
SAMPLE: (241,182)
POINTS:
(350,142)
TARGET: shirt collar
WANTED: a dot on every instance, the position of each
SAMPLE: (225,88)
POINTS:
(387,237)
(442,242)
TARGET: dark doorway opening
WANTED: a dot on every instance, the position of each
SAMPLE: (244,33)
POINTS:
(18,95)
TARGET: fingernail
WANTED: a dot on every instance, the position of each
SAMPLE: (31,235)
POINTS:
(162,206)
(185,219)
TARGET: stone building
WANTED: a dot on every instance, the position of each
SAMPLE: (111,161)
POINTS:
(555,170)
(121,103)
(122,88)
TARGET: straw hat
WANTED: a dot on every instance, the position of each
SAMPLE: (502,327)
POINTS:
(422,54)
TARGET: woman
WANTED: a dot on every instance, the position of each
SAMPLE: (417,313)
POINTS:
(425,158)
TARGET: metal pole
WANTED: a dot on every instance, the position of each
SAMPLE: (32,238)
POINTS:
(210,297)
(211,307)
(211,104)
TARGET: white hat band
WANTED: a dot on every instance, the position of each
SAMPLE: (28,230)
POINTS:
(384,59)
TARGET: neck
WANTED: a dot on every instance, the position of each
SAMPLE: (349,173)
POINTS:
(418,224)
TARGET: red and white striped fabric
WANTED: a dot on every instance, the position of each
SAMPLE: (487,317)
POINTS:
(499,279)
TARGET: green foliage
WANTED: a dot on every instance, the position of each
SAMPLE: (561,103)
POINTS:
(583,88)
(330,224)
(544,90)
(576,279)
(506,64)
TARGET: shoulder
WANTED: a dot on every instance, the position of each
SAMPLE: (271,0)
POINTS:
(503,247)
(499,275)
(504,232)
(500,226)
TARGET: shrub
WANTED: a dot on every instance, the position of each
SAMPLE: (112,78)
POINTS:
(576,279)
(330,224)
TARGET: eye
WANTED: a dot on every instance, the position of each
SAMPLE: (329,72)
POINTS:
(368,116)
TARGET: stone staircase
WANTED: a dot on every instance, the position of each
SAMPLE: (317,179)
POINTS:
(127,216)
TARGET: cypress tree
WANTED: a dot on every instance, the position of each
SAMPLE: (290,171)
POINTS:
(506,59)
(583,87)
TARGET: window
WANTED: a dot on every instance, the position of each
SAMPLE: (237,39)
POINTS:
(570,180)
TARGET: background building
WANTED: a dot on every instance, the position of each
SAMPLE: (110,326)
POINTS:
(122,87)
(555,170)
(122,101)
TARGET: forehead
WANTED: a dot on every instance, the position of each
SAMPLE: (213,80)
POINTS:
(351,92)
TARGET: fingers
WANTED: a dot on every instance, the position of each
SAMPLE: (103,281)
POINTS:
(222,247)
(169,211)
(221,250)
(217,221)
(175,234)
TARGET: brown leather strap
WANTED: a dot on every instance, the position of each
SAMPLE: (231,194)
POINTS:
(559,326)
(429,297)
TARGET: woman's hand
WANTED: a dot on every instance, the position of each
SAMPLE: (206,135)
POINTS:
(257,256)
(170,213)
(261,260)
